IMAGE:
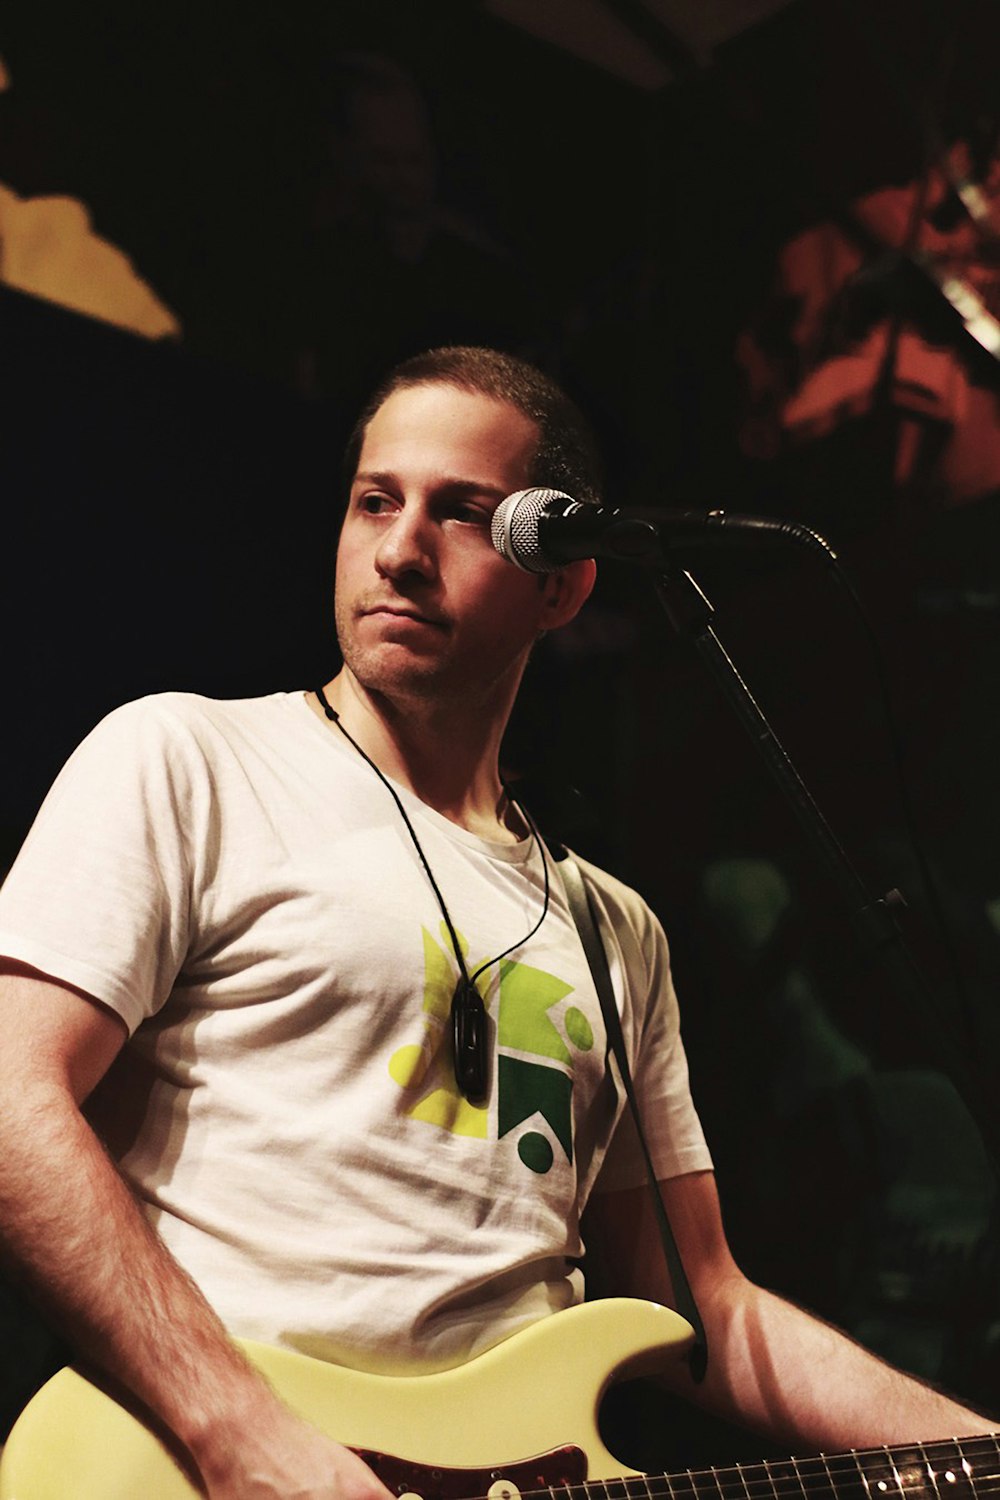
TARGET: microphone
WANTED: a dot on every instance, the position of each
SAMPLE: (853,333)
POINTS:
(541,529)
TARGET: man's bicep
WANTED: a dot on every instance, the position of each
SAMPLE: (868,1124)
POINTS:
(54,1033)
(626,1238)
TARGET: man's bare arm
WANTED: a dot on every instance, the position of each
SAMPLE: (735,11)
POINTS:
(772,1367)
(81,1244)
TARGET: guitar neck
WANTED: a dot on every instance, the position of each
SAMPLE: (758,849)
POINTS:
(956,1469)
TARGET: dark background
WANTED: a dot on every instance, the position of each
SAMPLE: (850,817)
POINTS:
(170,516)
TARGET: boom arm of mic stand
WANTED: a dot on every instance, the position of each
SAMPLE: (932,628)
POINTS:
(690,613)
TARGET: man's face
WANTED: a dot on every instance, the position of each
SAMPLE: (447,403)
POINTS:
(425,606)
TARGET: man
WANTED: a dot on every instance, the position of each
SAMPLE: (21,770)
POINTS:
(242,928)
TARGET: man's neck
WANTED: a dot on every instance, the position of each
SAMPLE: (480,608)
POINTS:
(447,759)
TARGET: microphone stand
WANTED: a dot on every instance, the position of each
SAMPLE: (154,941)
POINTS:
(690,613)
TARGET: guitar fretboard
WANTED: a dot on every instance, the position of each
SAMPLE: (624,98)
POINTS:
(951,1470)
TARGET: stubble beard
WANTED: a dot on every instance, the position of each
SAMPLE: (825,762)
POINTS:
(395,674)
(385,669)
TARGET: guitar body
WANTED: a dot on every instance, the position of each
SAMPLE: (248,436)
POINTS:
(451,1435)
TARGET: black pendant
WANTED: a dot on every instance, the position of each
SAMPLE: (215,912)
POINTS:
(470,1041)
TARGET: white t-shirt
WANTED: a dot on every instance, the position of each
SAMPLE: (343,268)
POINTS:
(236,883)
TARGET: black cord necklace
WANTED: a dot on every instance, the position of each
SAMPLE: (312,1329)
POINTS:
(469,1031)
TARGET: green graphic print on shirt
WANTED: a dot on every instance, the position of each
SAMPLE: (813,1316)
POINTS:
(536,1042)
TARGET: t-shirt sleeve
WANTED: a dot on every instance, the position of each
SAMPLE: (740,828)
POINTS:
(99,895)
(640,964)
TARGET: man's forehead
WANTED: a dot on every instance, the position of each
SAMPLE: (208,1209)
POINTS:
(466,403)
(460,435)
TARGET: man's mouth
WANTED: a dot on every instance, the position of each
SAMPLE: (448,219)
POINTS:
(404,612)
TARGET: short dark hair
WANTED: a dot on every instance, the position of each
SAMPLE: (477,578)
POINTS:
(566,457)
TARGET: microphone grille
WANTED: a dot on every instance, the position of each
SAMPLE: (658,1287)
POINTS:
(514,527)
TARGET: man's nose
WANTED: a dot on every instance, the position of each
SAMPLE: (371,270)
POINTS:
(407,546)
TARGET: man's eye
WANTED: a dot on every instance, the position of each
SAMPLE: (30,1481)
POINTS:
(464,510)
(373,504)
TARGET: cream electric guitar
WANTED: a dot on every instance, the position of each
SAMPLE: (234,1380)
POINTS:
(520,1420)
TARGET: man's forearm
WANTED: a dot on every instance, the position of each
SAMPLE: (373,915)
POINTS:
(81,1244)
(776,1369)
(79,1240)
(772,1367)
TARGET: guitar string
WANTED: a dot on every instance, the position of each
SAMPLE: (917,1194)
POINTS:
(688,1481)
(633,1486)
(697,1482)
(740,1482)
(892,1467)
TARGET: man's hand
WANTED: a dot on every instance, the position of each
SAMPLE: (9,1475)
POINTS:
(287,1459)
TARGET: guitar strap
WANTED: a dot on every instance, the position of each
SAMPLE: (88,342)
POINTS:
(581,906)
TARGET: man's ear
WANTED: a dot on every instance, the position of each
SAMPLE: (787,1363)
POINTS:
(566,592)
